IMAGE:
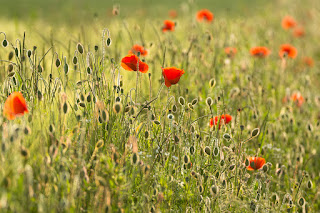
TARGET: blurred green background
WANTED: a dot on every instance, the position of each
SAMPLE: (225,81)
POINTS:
(81,10)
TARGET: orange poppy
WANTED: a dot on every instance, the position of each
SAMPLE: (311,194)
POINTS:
(205,15)
(132,63)
(173,13)
(260,52)
(230,51)
(288,50)
(168,26)
(171,75)
(297,98)
(255,163)
(308,61)
(298,32)
(138,49)
(288,22)
(224,119)
(14,106)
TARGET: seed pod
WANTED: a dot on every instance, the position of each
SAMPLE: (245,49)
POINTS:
(10,56)
(10,67)
(186,159)
(117,107)
(209,101)
(207,150)
(4,43)
(156,122)
(214,190)
(80,48)
(89,70)
(194,101)
(108,42)
(135,158)
(231,167)
(89,98)
(212,82)
(265,168)
(29,53)
(58,62)
(75,60)
(301,201)
(174,108)
(181,101)
(255,132)
(65,107)
(66,69)
(51,128)
(215,151)
(192,150)
(83,105)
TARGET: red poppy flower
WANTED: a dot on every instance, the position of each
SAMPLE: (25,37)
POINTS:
(14,106)
(288,22)
(298,32)
(288,50)
(230,51)
(260,52)
(224,119)
(168,26)
(297,98)
(138,49)
(173,13)
(255,163)
(171,75)
(132,63)
(205,15)
(308,61)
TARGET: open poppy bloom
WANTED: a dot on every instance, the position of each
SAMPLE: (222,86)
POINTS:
(136,49)
(14,106)
(132,63)
(173,13)
(299,32)
(255,163)
(260,52)
(288,22)
(171,75)
(168,26)
(230,51)
(297,98)
(288,50)
(224,119)
(205,15)
(308,61)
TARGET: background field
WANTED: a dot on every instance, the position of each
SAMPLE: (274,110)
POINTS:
(98,138)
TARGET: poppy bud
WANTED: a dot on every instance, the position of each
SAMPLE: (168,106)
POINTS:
(226,136)
(135,158)
(80,48)
(108,42)
(181,101)
(29,53)
(231,167)
(65,108)
(200,188)
(174,108)
(255,132)
(104,115)
(51,128)
(156,122)
(75,60)
(214,190)
(212,82)
(265,168)
(83,105)
(207,150)
(194,101)
(209,101)
(222,163)
(170,116)
(216,151)
(66,69)
(58,63)
(10,67)
(309,184)
(117,107)
(4,43)
(186,159)
(89,98)
(192,150)
(11,56)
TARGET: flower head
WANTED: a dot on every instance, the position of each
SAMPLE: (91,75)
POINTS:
(136,49)
(224,119)
(132,63)
(14,106)
(171,75)
(288,22)
(205,15)
(288,50)
(168,26)
(308,61)
(230,51)
(255,163)
(299,32)
(297,98)
(173,14)
(260,52)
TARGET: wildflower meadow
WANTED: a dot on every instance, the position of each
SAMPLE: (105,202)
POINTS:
(160,106)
